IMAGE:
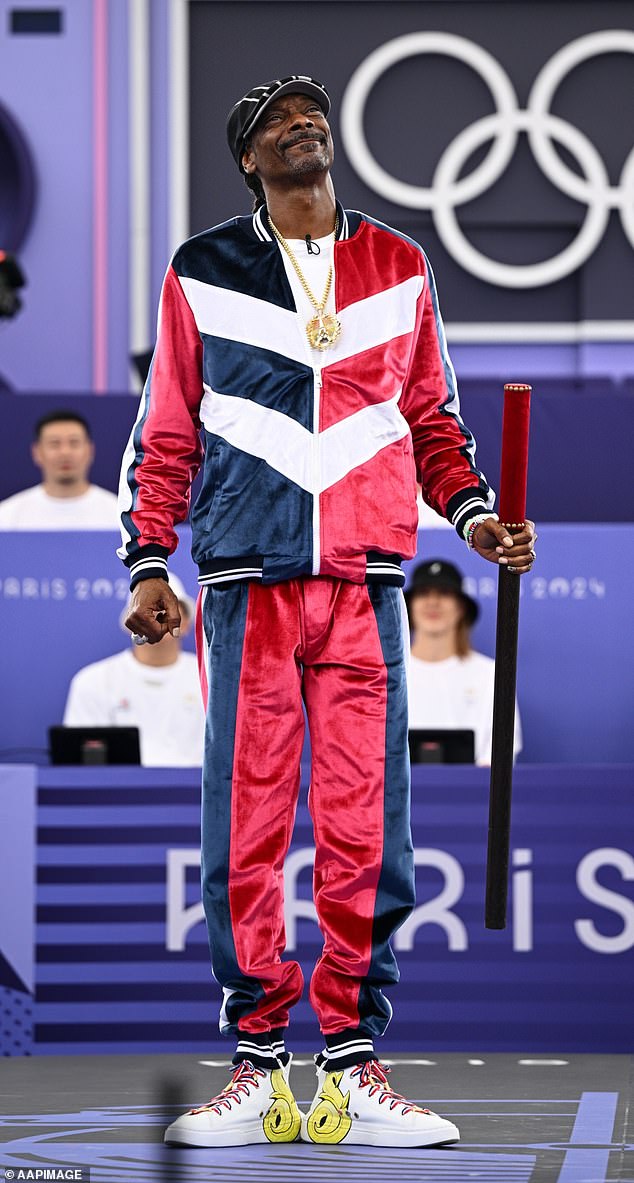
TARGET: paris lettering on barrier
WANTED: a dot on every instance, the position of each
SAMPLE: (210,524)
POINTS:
(181,917)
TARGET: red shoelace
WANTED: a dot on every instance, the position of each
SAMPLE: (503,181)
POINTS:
(245,1076)
(373,1076)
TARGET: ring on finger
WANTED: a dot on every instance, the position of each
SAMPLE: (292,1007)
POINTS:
(139,639)
(533,556)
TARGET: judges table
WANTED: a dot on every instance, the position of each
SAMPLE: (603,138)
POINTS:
(104,947)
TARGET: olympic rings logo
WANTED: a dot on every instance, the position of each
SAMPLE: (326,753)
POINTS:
(447,191)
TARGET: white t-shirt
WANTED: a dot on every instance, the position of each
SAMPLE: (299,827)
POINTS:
(457,693)
(35,509)
(314,268)
(164,702)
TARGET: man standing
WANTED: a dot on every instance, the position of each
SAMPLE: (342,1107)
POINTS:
(306,340)
(65,500)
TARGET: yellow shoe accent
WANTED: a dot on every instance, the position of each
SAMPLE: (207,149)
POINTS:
(357,1106)
(283,1120)
(330,1121)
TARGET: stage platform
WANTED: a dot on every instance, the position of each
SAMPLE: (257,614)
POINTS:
(523,1119)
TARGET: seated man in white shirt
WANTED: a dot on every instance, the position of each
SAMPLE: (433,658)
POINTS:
(450,684)
(65,500)
(152,687)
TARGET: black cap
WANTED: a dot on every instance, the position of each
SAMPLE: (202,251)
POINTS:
(244,115)
(436,573)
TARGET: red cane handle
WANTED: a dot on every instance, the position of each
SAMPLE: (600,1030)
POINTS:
(514,465)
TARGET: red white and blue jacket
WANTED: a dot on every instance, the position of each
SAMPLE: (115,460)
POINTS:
(310,459)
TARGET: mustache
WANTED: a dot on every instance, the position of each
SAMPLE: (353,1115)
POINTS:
(301,138)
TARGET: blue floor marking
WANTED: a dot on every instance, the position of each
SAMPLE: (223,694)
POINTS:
(595,1118)
(594,1123)
(585,1154)
(140,1162)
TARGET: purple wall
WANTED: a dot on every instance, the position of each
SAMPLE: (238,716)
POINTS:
(49,346)
(527,363)
(118,186)
(45,81)
(161,248)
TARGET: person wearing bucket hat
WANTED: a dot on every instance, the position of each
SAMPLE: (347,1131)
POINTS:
(154,687)
(305,341)
(440,575)
(450,684)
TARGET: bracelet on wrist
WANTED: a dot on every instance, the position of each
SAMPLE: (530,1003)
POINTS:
(472,524)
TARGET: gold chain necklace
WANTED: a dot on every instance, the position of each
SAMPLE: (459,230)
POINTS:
(323,329)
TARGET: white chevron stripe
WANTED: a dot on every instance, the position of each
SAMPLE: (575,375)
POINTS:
(376,320)
(260,431)
(364,325)
(288,447)
(220,312)
(357,439)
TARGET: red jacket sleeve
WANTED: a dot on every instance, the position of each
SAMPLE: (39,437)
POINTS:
(444,448)
(164,450)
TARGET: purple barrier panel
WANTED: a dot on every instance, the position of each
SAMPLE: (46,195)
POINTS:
(579,459)
(570,386)
(62,596)
(17,915)
(576,643)
(122,955)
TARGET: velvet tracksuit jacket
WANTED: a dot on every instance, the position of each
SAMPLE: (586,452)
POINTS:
(310,459)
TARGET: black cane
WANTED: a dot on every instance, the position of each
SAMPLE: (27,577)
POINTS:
(512,512)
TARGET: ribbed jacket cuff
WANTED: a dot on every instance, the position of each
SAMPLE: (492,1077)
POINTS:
(148,562)
(464,505)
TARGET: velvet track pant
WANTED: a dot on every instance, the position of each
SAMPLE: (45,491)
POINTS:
(339,647)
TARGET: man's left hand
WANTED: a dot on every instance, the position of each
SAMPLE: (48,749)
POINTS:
(515,552)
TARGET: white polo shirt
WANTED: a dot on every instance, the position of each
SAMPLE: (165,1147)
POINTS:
(164,702)
(457,693)
(35,509)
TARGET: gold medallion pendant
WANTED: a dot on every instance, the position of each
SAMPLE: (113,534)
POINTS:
(322,331)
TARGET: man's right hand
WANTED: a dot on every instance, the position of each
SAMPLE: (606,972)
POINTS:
(154,611)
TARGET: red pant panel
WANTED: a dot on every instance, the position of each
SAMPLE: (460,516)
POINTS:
(345,694)
(266,770)
(322,632)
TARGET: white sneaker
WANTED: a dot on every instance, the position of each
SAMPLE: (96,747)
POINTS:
(256,1106)
(357,1105)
